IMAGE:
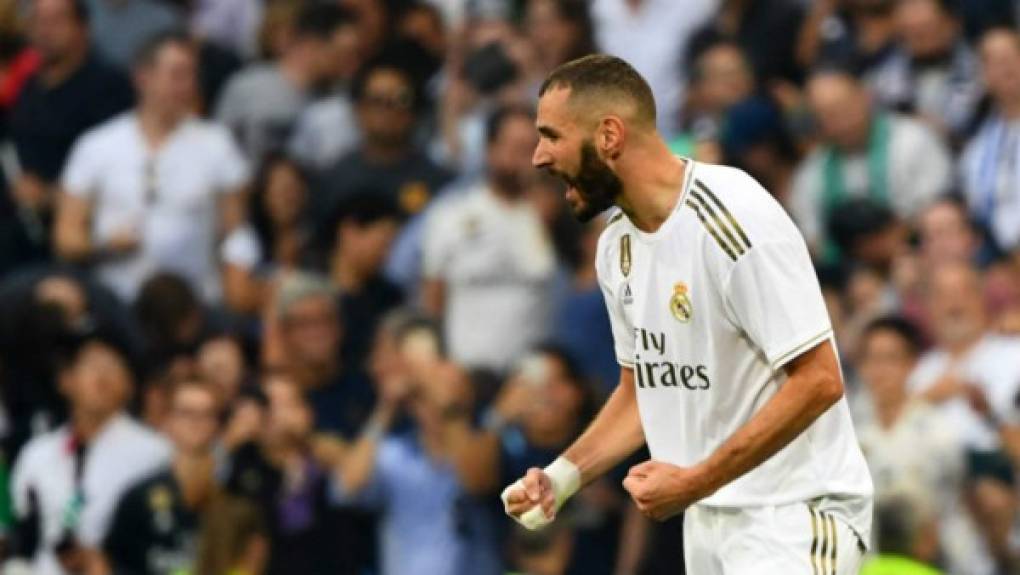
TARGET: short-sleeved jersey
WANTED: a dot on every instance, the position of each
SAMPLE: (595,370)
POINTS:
(707,310)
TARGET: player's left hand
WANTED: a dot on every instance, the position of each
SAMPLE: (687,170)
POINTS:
(661,490)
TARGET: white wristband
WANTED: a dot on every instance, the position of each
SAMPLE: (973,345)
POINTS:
(565,478)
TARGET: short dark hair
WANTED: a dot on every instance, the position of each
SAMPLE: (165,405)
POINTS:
(319,20)
(604,75)
(150,49)
(494,123)
(901,327)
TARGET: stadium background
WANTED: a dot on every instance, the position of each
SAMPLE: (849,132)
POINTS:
(325,214)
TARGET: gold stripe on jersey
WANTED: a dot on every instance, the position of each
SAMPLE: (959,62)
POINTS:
(615,219)
(718,239)
(814,540)
(718,222)
(824,553)
(832,528)
(725,211)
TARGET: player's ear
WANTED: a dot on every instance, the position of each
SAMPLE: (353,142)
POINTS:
(610,137)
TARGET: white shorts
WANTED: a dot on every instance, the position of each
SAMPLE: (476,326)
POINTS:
(793,539)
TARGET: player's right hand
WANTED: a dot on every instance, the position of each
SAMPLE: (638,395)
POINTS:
(530,500)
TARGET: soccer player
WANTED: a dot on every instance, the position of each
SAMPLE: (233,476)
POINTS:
(728,364)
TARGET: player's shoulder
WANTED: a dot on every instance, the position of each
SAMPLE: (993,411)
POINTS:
(734,210)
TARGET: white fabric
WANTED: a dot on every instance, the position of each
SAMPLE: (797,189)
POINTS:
(772,540)
(565,479)
(994,366)
(324,132)
(241,248)
(699,381)
(194,168)
(497,265)
(121,454)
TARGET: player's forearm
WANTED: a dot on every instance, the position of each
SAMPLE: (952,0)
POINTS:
(612,436)
(812,387)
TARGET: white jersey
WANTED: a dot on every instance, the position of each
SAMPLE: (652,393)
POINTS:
(707,310)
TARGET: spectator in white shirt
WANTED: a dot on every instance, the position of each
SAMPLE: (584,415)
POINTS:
(154,189)
(488,263)
(66,483)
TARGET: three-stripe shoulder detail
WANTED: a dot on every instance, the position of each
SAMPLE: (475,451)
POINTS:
(718,221)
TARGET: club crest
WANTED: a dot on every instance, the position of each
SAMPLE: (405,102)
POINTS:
(680,303)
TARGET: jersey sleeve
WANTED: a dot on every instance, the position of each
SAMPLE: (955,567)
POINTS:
(773,295)
(623,331)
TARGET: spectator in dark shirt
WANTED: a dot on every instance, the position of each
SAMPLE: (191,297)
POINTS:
(388,104)
(156,526)
(72,91)
(365,227)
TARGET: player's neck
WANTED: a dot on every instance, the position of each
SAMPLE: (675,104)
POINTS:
(194,475)
(652,184)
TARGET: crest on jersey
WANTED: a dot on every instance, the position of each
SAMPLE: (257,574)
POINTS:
(680,303)
(625,255)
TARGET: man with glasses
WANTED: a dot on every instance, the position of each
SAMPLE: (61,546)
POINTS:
(156,526)
(155,188)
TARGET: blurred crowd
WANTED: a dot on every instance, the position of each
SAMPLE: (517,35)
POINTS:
(281,293)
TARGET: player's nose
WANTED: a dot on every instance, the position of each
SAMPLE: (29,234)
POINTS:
(541,158)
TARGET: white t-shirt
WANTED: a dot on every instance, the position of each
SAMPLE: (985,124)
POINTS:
(707,310)
(123,453)
(994,366)
(497,264)
(170,197)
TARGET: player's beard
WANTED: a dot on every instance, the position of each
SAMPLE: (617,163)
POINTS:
(596,183)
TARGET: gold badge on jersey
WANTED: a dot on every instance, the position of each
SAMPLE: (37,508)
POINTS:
(680,304)
(625,255)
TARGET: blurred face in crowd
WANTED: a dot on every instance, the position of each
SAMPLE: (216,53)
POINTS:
(956,305)
(566,151)
(193,419)
(946,234)
(509,154)
(311,331)
(552,35)
(169,82)
(886,361)
(424,24)
(386,109)
(343,54)
(65,293)
(556,403)
(285,195)
(724,78)
(925,29)
(842,109)
(367,245)
(98,383)
(221,364)
(1000,62)
(55,31)
(372,17)
(290,418)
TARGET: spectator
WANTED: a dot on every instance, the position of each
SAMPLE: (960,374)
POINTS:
(754,137)
(989,167)
(262,102)
(859,142)
(67,482)
(172,322)
(72,91)
(307,335)
(934,72)
(365,228)
(973,376)
(766,30)
(232,24)
(428,524)
(651,35)
(388,105)
(559,31)
(220,362)
(156,526)
(279,474)
(908,441)
(123,27)
(129,208)
(908,540)
(947,234)
(274,241)
(485,254)
(857,34)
